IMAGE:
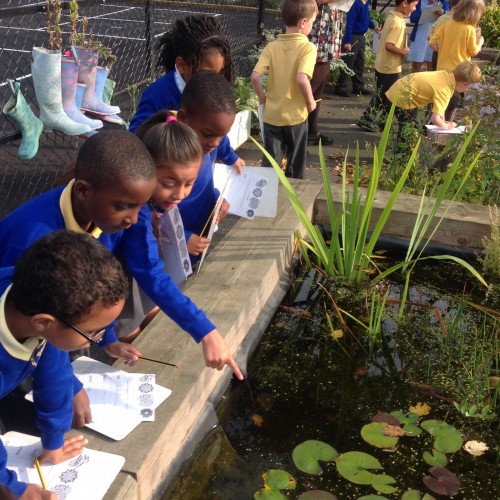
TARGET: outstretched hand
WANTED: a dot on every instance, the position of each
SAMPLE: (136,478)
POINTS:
(217,355)
(127,352)
(36,492)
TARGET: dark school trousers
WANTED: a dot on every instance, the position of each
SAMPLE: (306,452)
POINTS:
(289,140)
(355,61)
(379,105)
(319,79)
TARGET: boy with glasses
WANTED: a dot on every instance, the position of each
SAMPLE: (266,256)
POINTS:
(64,287)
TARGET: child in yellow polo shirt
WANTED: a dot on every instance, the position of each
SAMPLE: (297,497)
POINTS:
(289,62)
(392,47)
(431,87)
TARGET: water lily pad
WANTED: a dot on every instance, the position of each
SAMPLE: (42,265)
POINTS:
(269,495)
(410,418)
(373,434)
(436,458)
(355,466)
(416,495)
(317,495)
(373,497)
(307,454)
(448,439)
(385,417)
(412,430)
(442,482)
(382,483)
(278,479)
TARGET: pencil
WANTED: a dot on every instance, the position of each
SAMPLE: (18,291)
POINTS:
(39,470)
(158,361)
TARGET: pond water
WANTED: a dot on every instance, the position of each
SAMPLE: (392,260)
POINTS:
(313,378)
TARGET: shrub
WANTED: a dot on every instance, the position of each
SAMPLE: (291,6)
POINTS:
(490,27)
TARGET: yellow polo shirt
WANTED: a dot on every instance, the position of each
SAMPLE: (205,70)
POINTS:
(394,31)
(283,59)
(457,43)
(67,212)
(418,89)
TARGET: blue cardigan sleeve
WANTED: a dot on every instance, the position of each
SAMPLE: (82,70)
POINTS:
(225,153)
(139,249)
(9,477)
(53,387)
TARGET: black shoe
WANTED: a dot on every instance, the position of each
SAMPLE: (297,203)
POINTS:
(368,125)
(342,93)
(362,91)
(314,140)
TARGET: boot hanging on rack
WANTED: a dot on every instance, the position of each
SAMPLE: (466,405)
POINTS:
(30,126)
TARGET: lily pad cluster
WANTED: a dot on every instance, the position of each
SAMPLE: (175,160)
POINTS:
(361,468)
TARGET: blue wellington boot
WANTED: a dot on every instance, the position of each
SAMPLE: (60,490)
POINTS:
(29,125)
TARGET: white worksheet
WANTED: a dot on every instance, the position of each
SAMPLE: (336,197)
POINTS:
(436,130)
(254,193)
(87,476)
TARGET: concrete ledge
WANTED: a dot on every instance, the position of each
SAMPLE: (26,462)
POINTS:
(237,287)
(464,225)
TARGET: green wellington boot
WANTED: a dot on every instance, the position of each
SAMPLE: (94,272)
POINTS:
(29,125)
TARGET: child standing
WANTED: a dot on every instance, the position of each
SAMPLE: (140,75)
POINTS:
(196,44)
(63,292)
(357,23)
(289,61)
(391,50)
(326,34)
(457,41)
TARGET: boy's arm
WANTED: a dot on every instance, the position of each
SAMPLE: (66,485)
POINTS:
(256,79)
(305,88)
(442,124)
(390,47)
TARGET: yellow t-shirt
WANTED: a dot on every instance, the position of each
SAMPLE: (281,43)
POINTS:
(457,43)
(418,89)
(394,31)
(447,16)
(67,212)
(283,59)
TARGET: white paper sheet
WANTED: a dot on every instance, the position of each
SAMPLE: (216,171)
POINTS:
(436,130)
(343,5)
(429,15)
(254,193)
(87,476)
(119,401)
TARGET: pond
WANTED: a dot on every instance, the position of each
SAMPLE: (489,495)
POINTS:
(319,375)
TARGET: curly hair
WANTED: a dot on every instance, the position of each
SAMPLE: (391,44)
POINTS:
(113,155)
(192,37)
(208,93)
(65,274)
(170,142)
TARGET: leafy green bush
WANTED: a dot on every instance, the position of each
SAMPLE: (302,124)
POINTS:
(490,27)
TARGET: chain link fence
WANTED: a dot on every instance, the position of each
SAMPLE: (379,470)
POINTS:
(131,29)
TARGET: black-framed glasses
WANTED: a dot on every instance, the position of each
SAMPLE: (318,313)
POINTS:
(95,338)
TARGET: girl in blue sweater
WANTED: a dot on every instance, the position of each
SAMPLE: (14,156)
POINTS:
(196,44)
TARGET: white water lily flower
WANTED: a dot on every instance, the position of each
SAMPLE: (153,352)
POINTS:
(476,448)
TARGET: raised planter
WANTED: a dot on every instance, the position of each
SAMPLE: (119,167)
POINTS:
(240,131)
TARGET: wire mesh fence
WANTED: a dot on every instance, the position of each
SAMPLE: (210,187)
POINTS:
(130,28)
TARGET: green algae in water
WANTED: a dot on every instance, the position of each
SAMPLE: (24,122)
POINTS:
(301,386)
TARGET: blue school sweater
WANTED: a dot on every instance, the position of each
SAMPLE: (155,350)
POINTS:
(137,248)
(357,20)
(52,386)
(163,94)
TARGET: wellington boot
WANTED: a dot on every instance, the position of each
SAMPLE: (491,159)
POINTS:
(88,74)
(69,77)
(29,125)
(46,72)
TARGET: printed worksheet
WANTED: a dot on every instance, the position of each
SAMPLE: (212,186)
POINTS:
(254,193)
(436,130)
(89,475)
(343,5)
(119,400)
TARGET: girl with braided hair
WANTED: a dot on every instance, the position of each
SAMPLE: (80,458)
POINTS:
(196,44)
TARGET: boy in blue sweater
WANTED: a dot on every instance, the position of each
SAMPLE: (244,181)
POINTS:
(60,296)
(357,23)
